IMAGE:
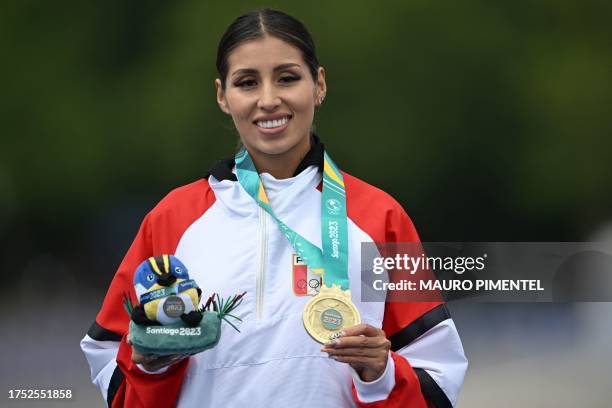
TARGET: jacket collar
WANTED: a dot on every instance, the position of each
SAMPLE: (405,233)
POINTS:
(222,170)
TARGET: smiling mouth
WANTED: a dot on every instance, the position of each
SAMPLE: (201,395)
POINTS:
(273,124)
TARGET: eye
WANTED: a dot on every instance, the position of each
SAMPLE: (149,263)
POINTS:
(289,78)
(245,83)
(150,277)
(178,270)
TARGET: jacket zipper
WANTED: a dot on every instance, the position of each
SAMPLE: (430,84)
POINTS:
(263,250)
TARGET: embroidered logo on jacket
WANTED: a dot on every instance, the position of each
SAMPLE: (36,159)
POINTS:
(305,282)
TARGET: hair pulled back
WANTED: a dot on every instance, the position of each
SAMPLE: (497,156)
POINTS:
(258,23)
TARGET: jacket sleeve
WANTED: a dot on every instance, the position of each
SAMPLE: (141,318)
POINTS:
(427,364)
(120,381)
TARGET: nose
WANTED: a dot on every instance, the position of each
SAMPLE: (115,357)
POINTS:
(268,99)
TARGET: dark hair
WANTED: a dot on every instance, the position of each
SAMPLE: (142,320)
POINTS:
(259,23)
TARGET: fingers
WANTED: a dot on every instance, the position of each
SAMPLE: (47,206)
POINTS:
(359,342)
(162,362)
(360,336)
(154,362)
(364,347)
(362,330)
(357,352)
(358,346)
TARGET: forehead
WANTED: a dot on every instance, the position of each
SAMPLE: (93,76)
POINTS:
(263,53)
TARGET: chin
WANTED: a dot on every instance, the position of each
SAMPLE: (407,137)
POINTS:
(274,145)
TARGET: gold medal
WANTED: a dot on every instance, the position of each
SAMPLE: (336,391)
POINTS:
(329,312)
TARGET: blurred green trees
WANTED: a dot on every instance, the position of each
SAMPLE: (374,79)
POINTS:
(486,120)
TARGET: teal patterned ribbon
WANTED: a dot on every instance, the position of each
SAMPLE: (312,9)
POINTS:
(332,260)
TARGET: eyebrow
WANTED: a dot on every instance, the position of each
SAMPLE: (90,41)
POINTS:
(250,71)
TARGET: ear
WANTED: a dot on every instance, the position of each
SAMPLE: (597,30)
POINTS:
(320,87)
(221,101)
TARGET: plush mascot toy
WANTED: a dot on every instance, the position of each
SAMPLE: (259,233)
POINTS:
(166,293)
(167,318)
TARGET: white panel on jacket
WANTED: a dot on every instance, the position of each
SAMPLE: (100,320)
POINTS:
(439,352)
(101,357)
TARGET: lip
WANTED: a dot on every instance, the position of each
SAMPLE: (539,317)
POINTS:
(275,130)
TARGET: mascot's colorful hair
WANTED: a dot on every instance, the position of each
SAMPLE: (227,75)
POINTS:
(164,290)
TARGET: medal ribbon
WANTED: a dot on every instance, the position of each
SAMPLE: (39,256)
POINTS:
(332,261)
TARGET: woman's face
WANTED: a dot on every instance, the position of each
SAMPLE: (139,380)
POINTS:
(271,97)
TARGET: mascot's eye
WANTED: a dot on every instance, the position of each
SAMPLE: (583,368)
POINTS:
(178,270)
(150,277)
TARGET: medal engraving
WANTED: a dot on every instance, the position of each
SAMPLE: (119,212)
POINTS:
(331,319)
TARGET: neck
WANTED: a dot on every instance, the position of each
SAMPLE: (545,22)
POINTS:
(281,166)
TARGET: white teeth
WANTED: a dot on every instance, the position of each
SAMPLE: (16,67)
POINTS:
(269,124)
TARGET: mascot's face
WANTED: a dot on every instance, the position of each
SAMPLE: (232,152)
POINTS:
(158,271)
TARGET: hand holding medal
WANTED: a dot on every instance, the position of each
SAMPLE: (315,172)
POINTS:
(364,347)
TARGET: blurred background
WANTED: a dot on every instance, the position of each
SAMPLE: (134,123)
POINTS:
(487,120)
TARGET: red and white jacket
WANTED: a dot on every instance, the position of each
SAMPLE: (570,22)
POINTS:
(230,245)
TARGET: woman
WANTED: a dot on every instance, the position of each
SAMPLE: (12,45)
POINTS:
(407,354)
